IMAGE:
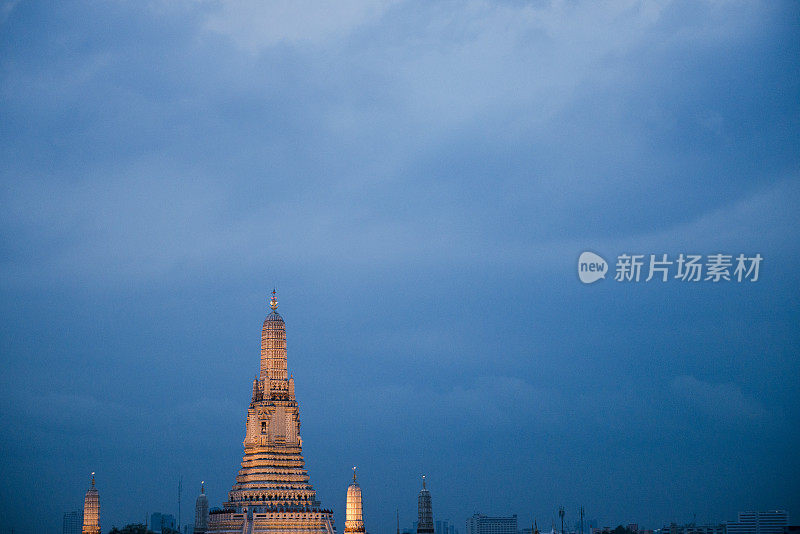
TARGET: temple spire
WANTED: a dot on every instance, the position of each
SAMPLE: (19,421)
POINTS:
(354,519)
(424,510)
(273,478)
(201,511)
(91,511)
(273,350)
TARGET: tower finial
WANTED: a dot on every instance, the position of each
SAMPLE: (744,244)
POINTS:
(202,486)
(423,481)
(354,473)
(273,302)
(92,478)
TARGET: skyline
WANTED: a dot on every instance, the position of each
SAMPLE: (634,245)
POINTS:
(418,181)
(568,526)
(422,479)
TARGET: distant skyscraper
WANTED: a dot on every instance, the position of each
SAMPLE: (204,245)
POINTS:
(91,511)
(354,520)
(481,524)
(771,522)
(201,511)
(444,526)
(272,493)
(73,522)
(424,511)
(692,528)
(160,522)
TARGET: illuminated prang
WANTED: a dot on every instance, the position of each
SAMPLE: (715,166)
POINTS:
(272,493)
(91,510)
(354,521)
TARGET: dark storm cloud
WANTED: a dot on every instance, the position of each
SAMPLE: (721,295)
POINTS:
(418,181)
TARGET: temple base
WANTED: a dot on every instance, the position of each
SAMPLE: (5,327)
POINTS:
(271,523)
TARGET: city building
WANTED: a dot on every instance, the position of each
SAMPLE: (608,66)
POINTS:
(690,529)
(444,527)
(424,511)
(73,522)
(162,522)
(201,511)
(354,519)
(91,511)
(771,522)
(481,524)
(272,492)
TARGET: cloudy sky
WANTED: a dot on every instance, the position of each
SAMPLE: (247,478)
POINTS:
(417,179)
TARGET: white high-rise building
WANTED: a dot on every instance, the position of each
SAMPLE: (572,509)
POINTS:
(771,522)
(481,524)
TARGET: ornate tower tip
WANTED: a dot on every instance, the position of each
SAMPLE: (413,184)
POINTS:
(202,486)
(273,302)
(92,478)
(423,481)
(354,473)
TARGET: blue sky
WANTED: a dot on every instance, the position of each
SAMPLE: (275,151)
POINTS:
(417,180)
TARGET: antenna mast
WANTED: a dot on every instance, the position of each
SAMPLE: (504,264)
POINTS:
(180,488)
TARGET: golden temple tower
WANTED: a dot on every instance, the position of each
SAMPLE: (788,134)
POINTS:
(91,511)
(272,493)
(354,521)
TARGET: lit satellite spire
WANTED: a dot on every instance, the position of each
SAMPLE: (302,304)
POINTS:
(91,510)
(354,520)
